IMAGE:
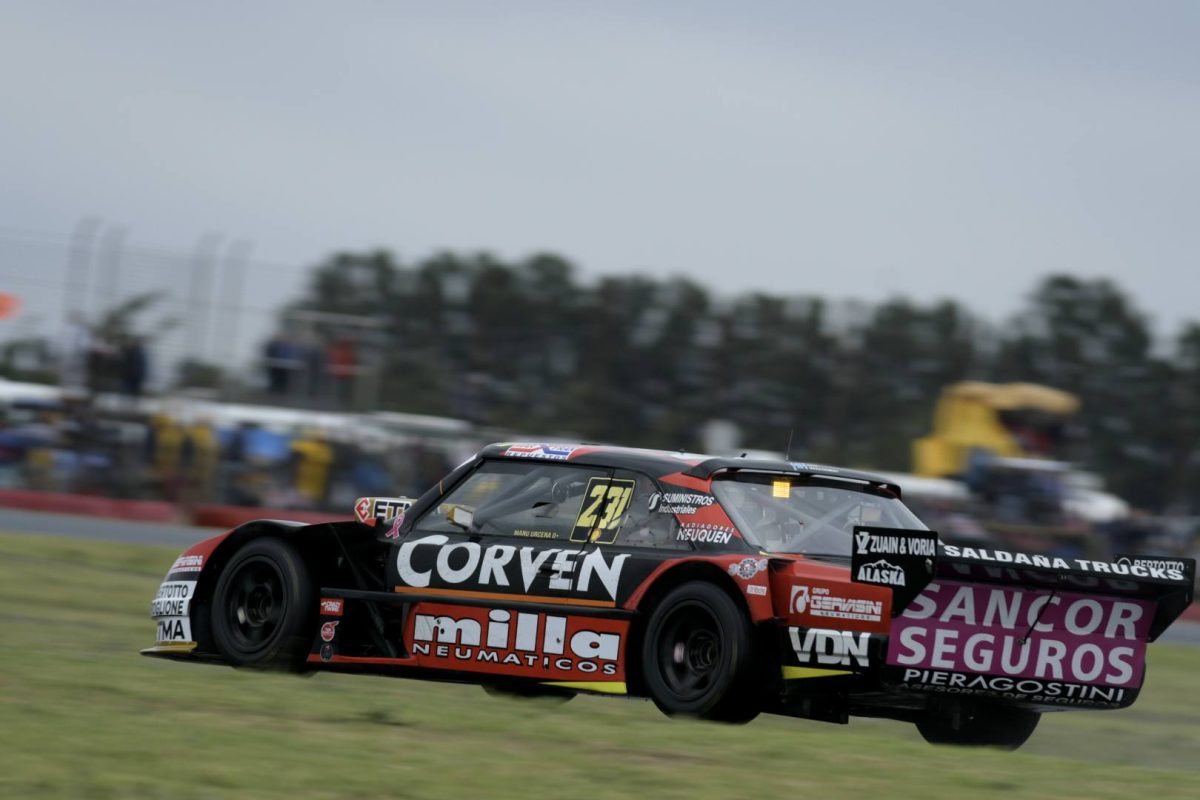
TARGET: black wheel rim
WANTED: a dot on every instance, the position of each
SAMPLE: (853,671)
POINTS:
(690,651)
(255,604)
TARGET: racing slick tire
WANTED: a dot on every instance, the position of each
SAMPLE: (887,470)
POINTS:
(981,726)
(262,607)
(698,657)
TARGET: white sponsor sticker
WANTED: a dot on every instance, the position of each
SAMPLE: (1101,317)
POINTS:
(174,629)
(893,545)
(829,647)
(705,533)
(679,502)
(174,599)
(881,572)
(503,565)
(369,509)
(820,602)
(187,564)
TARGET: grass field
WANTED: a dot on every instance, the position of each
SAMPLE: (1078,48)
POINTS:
(83,715)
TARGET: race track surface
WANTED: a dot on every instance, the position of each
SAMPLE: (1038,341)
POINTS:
(1183,633)
(113,530)
(181,536)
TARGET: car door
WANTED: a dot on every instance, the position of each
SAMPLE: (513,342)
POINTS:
(498,586)
(510,530)
(622,520)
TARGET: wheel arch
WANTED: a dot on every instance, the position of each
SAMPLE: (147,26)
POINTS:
(663,584)
(315,543)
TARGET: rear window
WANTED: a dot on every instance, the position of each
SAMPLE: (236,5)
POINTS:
(814,516)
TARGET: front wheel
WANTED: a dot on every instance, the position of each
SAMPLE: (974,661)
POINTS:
(697,656)
(262,606)
(981,726)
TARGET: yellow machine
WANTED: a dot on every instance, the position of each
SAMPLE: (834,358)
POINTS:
(1007,420)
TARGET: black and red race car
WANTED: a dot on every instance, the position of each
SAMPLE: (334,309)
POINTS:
(716,587)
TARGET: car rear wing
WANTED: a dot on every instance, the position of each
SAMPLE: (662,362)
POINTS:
(900,559)
(1168,582)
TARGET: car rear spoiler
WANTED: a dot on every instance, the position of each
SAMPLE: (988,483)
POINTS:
(1168,582)
(901,559)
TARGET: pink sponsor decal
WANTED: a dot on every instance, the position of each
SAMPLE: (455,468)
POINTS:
(977,628)
(394,531)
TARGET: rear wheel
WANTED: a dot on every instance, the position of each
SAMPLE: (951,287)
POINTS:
(980,726)
(262,607)
(697,656)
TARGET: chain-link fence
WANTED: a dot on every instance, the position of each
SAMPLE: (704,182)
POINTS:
(125,370)
(202,315)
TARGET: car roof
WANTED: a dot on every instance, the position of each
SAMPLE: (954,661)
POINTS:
(661,463)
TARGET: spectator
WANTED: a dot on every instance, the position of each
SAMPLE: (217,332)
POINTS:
(313,459)
(310,365)
(134,366)
(341,360)
(282,359)
(199,460)
(164,445)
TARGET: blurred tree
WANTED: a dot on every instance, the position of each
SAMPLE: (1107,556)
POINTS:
(1184,415)
(549,339)
(606,399)
(773,359)
(1086,337)
(120,321)
(643,361)
(116,330)
(349,283)
(904,355)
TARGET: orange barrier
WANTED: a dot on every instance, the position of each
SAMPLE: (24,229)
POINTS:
(232,516)
(88,505)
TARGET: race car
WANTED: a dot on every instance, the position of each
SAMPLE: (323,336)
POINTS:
(720,588)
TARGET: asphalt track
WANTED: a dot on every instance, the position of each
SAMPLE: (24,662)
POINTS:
(181,536)
(111,530)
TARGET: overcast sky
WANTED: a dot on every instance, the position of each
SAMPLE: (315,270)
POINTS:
(853,150)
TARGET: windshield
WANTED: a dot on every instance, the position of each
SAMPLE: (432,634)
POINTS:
(815,516)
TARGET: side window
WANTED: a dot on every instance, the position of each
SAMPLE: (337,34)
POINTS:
(528,500)
(642,527)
